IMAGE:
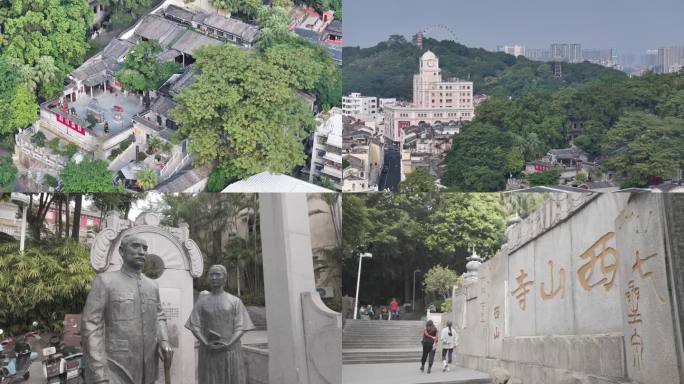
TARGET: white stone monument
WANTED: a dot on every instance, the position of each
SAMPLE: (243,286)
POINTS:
(304,336)
(176,260)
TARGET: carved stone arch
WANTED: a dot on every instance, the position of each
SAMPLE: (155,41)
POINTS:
(184,254)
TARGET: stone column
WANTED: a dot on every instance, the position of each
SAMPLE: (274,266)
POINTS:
(294,312)
(674,236)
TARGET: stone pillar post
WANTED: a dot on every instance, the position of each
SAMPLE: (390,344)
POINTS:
(294,312)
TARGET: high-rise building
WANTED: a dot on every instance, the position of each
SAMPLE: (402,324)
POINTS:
(539,54)
(670,59)
(606,57)
(515,50)
(571,53)
(355,104)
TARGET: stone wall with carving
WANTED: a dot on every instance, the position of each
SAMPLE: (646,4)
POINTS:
(564,295)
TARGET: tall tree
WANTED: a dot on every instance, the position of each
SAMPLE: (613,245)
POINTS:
(241,113)
(143,72)
(18,106)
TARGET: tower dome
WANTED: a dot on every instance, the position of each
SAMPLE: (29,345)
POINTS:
(428,55)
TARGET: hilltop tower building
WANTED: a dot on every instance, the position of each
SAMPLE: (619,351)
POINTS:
(435,101)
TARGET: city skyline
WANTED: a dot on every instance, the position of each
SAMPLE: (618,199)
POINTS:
(532,23)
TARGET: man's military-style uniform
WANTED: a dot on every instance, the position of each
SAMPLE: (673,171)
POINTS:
(122,324)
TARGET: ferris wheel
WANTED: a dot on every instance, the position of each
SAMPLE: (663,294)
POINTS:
(439,30)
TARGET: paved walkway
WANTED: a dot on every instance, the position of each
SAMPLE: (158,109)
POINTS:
(408,373)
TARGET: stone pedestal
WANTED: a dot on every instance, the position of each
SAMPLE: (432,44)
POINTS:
(177,259)
(304,336)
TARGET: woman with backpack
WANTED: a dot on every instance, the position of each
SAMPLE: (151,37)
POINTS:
(449,339)
(429,342)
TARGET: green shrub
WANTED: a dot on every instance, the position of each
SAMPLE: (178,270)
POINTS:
(114,153)
(47,281)
(70,149)
(54,145)
(217,181)
(125,144)
(50,181)
(92,121)
(38,139)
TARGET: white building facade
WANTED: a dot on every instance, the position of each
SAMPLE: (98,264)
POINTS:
(515,50)
(355,104)
(326,155)
(435,101)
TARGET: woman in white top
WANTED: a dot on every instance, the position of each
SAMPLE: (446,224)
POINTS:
(449,339)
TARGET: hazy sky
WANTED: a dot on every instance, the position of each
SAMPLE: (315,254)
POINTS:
(628,25)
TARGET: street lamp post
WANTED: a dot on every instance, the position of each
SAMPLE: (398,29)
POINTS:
(413,303)
(358,281)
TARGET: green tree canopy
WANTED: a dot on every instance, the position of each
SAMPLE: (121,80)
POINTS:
(544,178)
(125,11)
(143,72)
(17,104)
(440,281)
(87,176)
(310,68)
(416,230)
(641,146)
(242,113)
(8,172)
(46,38)
(147,179)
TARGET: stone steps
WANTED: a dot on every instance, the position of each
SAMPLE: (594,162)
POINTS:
(381,342)
(380,357)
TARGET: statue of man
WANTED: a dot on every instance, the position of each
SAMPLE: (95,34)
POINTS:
(123,327)
(218,321)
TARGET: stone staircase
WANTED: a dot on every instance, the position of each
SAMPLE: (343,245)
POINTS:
(381,341)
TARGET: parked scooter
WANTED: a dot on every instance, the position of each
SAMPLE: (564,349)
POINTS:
(16,358)
(62,365)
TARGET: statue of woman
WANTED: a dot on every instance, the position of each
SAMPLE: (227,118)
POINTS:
(218,320)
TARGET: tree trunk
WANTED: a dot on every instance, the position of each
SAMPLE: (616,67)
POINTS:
(407,286)
(76,225)
(59,219)
(67,202)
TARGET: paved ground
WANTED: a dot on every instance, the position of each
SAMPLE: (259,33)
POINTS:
(408,373)
(118,121)
(252,337)
(392,163)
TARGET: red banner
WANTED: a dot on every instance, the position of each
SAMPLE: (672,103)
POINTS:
(404,124)
(71,125)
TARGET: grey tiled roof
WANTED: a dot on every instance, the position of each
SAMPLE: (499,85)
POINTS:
(162,105)
(154,27)
(246,32)
(191,41)
(334,27)
(117,49)
(179,13)
(184,179)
